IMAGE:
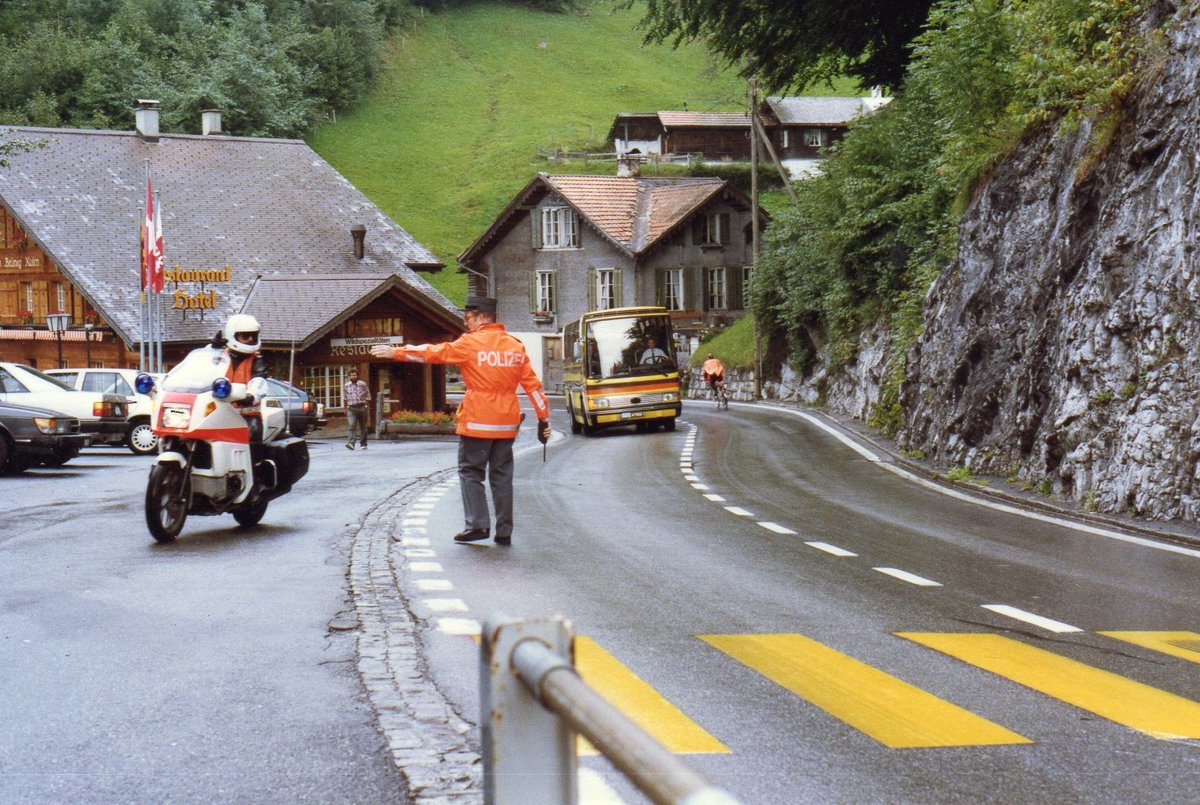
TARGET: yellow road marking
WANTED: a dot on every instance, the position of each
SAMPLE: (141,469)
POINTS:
(1185,645)
(626,691)
(1133,704)
(891,711)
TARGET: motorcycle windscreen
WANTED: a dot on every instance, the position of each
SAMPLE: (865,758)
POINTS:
(196,372)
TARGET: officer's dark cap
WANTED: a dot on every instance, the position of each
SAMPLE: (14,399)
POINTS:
(484,304)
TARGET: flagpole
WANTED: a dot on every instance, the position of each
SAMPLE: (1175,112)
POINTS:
(158,263)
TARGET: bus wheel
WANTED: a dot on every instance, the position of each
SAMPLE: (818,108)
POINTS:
(576,428)
(588,430)
(669,424)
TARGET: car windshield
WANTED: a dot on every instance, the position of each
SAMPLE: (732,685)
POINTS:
(628,346)
(197,371)
(54,381)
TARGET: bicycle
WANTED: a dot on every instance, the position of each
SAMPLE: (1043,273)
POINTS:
(720,394)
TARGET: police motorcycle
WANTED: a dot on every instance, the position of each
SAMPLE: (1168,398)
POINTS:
(208,462)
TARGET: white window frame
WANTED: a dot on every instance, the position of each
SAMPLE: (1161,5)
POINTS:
(558,228)
(673,288)
(325,384)
(747,287)
(545,292)
(712,229)
(29,297)
(816,138)
(606,288)
(784,138)
(61,288)
(718,298)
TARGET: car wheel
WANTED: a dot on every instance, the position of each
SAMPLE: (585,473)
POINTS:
(140,438)
(5,453)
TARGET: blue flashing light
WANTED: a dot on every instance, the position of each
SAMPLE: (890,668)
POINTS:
(222,387)
(144,383)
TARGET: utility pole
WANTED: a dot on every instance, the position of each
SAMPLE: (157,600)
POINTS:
(753,101)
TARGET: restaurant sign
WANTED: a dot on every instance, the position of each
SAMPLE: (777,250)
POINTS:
(345,347)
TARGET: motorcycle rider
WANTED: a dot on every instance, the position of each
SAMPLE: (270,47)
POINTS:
(240,340)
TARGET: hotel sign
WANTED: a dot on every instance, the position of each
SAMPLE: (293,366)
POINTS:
(345,347)
(205,299)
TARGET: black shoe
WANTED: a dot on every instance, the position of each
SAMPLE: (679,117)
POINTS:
(471,535)
(503,540)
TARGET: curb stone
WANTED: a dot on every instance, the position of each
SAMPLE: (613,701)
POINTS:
(430,745)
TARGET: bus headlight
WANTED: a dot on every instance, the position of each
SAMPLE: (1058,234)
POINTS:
(669,396)
(598,402)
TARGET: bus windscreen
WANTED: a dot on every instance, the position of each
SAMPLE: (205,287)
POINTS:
(627,347)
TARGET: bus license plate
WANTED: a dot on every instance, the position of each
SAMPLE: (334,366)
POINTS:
(632,414)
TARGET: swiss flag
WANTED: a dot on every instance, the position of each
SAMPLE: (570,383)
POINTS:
(152,244)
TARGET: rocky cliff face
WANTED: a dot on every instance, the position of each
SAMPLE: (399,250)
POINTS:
(1063,344)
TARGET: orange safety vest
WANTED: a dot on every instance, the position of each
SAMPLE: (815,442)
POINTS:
(240,372)
(713,368)
(493,364)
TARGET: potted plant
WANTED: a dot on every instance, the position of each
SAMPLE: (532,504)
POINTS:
(25,317)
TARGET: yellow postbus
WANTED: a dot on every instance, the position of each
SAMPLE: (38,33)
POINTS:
(619,369)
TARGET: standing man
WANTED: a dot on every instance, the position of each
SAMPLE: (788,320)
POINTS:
(493,364)
(356,395)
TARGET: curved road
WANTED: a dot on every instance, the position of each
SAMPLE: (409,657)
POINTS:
(811,625)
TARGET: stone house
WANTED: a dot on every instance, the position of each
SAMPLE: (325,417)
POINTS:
(567,245)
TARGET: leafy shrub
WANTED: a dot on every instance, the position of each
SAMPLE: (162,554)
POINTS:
(406,417)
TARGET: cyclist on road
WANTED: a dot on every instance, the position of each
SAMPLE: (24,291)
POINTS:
(714,375)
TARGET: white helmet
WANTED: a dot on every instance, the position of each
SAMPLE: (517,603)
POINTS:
(241,324)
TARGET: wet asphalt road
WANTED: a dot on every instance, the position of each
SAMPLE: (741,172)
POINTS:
(197,672)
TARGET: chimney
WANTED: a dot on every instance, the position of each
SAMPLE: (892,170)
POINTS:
(146,120)
(628,167)
(359,233)
(210,121)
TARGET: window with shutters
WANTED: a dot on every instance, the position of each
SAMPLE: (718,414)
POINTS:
(717,292)
(747,285)
(543,297)
(714,229)
(671,292)
(606,289)
(60,298)
(784,138)
(816,138)
(560,228)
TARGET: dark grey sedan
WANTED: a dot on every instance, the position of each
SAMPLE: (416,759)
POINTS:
(32,437)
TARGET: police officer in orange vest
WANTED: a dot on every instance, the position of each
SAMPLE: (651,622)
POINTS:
(493,365)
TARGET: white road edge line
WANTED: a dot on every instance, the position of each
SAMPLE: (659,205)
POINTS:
(991,504)
(1029,617)
(904,575)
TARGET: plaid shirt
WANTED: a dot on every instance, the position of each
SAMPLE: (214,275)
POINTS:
(356,392)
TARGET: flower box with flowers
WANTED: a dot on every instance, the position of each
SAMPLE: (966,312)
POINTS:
(418,422)
(543,316)
(25,317)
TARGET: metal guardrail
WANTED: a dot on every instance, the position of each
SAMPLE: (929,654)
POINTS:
(534,701)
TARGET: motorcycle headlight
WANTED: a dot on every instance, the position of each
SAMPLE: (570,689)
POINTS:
(221,388)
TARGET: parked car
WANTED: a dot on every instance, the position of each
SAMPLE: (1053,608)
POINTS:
(302,410)
(37,436)
(100,415)
(139,437)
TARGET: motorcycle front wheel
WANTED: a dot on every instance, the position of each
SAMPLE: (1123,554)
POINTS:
(166,502)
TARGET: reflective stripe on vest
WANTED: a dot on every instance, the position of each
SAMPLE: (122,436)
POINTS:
(495,428)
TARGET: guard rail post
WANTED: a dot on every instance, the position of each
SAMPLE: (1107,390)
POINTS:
(534,702)
(528,754)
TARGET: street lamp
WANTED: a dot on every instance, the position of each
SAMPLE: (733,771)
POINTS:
(87,342)
(57,322)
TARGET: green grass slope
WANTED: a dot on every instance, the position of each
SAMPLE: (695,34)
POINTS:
(449,135)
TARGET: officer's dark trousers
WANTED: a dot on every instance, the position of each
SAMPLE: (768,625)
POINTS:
(492,458)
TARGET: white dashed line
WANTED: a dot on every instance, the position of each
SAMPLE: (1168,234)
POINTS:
(740,512)
(904,575)
(699,486)
(1029,617)
(411,521)
(420,553)
(446,604)
(831,549)
(776,527)
(415,542)
(459,626)
(425,567)
(432,585)
(715,498)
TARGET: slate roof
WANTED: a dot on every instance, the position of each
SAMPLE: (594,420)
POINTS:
(810,111)
(269,208)
(632,212)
